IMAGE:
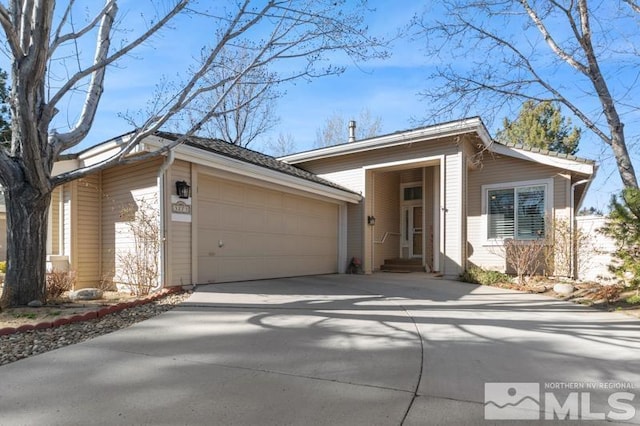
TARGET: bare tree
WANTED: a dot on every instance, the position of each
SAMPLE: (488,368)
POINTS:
(498,54)
(249,102)
(336,129)
(283,145)
(38,34)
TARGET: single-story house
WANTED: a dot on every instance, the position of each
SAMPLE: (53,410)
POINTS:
(442,196)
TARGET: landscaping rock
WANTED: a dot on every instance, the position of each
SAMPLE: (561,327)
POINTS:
(563,289)
(35,304)
(35,339)
(86,294)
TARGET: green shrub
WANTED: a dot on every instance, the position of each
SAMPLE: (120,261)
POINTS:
(633,300)
(3,267)
(477,275)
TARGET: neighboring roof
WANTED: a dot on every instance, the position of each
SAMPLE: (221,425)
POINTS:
(252,157)
(448,129)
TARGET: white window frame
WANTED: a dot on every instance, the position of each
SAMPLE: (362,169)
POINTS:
(548,203)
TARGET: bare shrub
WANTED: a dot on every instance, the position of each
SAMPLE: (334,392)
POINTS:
(106,283)
(609,293)
(58,282)
(138,263)
(527,257)
(566,240)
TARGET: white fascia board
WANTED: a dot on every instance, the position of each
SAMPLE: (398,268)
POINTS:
(453,128)
(99,149)
(561,163)
(221,162)
(106,150)
(64,166)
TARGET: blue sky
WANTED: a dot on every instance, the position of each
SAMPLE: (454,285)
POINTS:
(388,89)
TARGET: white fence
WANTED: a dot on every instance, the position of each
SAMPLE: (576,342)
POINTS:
(596,256)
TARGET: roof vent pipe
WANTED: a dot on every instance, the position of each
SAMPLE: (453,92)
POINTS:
(352,131)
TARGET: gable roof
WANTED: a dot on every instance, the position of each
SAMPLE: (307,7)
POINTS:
(247,155)
(473,125)
(220,155)
(451,128)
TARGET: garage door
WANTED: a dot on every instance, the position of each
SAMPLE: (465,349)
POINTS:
(246,232)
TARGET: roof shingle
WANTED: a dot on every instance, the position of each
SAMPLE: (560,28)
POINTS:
(246,155)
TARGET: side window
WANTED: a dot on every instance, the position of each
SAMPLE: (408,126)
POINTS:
(516,212)
(530,219)
(500,214)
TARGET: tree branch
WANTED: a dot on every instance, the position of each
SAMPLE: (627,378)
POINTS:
(115,56)
(96,86)
(550,40)
(633,5)
(58,39)
(10,32)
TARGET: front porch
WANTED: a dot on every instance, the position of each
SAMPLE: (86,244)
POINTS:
(403,217)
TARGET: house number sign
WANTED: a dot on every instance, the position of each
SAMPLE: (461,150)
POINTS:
(180,209)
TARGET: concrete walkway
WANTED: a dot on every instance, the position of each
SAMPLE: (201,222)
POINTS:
(387,349)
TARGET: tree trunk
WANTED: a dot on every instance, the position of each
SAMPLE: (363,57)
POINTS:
(623,160)
(27,217)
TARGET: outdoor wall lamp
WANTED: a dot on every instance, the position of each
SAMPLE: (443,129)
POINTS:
(371,220)
(183,189)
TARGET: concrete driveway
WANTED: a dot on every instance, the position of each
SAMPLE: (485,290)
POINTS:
(386,349)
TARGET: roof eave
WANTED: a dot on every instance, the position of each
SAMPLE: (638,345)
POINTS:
(453,128)
(222,162)
(584,168)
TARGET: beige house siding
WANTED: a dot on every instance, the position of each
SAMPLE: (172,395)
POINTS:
(355,221)
(86,257)
(355,181)
(561,197)
(350,179)
(497,169)
(350,163)
(123,187)
(411,175)
(67,193)
(179,233)
(55,220)
(386,210)
(453,262)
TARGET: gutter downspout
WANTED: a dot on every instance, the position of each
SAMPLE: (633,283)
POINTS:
(572,227)
(161,179)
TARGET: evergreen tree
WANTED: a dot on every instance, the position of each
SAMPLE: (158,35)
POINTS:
(541,125)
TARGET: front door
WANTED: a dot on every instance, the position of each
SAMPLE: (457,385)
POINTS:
(412,231)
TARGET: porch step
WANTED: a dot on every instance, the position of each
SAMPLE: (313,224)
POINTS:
(403,261)
(402,265)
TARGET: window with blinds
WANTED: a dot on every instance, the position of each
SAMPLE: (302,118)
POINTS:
(501,217)
(516,213)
